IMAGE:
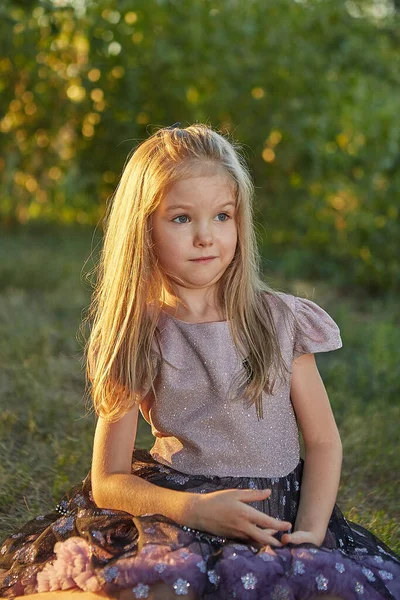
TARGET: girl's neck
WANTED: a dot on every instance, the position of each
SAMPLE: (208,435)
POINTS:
(180,314)
(202,312)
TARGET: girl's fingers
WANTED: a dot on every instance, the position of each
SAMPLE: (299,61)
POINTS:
(259,518)
(270,531)
(262,536)
(249,495)
(264,521)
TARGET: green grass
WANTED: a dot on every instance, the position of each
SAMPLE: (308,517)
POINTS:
(46,439)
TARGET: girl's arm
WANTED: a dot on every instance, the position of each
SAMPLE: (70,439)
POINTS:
(221,513)
(323,448)
(113,484)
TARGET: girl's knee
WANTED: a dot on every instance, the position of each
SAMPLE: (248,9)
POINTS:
(157,591)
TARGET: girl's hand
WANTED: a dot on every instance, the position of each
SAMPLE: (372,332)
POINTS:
(298,537)
(226,514)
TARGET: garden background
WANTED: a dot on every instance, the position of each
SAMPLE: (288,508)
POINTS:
(311,90)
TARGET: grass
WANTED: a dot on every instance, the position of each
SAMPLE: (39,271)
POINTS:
(46,439)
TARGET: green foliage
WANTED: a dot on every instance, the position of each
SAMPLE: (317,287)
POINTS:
(308,88)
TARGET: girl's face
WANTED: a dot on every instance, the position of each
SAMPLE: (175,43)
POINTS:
(194,220)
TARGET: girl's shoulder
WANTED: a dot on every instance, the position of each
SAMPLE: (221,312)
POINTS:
(314,330)
(311,326)
(299,306)
(280,303)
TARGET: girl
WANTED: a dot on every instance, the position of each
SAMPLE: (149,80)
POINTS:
(223,368)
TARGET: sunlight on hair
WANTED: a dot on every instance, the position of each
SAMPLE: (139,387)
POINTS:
(122,351)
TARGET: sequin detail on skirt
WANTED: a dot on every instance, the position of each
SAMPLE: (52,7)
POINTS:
(79,545)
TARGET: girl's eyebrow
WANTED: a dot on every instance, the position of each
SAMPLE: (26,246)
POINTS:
(186,207)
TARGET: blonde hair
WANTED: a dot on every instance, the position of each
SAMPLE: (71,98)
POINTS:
(120,359)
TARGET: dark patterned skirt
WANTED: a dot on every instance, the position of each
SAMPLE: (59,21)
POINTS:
(81,546)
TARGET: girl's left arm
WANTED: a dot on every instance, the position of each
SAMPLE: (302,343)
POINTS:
(323,448)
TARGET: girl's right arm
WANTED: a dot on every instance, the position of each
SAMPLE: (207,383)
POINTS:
(113,484)
(223,512)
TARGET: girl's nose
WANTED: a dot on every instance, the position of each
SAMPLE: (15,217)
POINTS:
(203,235)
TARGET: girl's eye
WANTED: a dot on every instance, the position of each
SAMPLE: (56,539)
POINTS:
(185,217)
(180,217)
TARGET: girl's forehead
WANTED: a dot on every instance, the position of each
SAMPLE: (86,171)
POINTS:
(216,184)
(216,180)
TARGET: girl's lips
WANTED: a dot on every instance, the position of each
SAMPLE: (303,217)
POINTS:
(202,260)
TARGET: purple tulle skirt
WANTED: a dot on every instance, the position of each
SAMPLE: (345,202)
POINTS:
(81,546)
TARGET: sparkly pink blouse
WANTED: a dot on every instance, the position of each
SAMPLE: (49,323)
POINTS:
(197,431)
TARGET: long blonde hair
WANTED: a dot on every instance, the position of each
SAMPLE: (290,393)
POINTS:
(119,355)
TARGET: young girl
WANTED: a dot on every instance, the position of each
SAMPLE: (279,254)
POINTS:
(222,367)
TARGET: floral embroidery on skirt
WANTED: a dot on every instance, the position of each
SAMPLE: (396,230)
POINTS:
(79,545)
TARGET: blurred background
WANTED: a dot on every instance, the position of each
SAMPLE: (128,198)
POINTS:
(310,88)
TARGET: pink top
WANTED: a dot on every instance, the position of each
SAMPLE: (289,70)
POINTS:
(197,431)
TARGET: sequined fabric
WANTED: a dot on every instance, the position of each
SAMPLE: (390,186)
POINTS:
(79,546)
(197,430)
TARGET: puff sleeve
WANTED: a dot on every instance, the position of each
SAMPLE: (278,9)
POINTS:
(316,331)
